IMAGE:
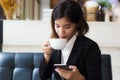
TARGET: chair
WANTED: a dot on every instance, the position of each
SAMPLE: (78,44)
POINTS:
(106,67)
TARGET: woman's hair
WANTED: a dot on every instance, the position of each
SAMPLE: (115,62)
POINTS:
(73,12)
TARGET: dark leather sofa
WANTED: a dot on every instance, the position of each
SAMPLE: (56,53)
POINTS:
(19,66)
(25,66)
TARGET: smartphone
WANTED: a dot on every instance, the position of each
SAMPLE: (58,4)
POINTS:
(62,66)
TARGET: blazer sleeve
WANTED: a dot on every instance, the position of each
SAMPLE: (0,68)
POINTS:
(93,62)
(45,70)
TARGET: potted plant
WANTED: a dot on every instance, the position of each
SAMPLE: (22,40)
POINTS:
(103,4)
(9,7)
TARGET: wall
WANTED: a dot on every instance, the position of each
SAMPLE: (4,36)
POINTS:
(21,32)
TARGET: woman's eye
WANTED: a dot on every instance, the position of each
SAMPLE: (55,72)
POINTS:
(57,26)
(66,27)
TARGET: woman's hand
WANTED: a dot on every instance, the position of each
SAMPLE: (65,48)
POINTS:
(47,50)
(73,74)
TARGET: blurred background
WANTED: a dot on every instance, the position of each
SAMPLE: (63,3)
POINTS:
(100,10)
(23,23)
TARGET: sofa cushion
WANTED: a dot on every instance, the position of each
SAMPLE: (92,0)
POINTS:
(19,66)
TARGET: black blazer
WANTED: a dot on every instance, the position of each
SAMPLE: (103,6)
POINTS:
(85,55)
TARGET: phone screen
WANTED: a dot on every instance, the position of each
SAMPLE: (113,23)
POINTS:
(62,66)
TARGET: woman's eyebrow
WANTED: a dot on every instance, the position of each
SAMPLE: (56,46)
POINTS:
(64,24)
(67,25)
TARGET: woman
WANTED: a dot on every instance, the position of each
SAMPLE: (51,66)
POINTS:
(81,54)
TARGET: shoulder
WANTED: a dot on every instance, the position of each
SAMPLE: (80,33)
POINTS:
(86,41)
(89,46)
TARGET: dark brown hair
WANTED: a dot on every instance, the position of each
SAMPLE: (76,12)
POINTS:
(73,12)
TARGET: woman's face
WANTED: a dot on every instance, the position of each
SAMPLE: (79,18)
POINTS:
(64,28)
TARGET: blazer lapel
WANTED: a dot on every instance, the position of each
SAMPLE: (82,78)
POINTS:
(77,48)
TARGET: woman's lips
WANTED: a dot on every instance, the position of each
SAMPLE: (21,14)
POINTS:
(63,37)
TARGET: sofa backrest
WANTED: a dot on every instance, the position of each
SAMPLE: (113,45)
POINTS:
(14,66)
(25,66)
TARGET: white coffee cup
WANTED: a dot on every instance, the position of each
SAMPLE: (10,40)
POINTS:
(58,44)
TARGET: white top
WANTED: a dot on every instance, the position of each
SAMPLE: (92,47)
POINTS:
(67,50)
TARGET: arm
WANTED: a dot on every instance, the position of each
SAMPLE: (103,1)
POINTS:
(46,65)
(93,62)
(45,70)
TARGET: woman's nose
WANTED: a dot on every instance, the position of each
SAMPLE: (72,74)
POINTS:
(62,31)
